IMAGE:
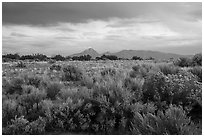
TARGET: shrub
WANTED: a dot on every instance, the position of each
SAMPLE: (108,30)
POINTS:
(173,122)
(20,64)
(17,126)
(32,80)
(53,89)
(66,117)
(181,88)
(46,106)
(153,87)
(197,71)
(30,102)
(108,71)
(5,86)
(197,59)
(184,88)
(138,71)
(183,62)
(136,68)
(9,111)
(75,93)
(55,67)
(168,69)
(142,70)
(87,81)
(15,86)
(134,85)
(72,73)
(36,127)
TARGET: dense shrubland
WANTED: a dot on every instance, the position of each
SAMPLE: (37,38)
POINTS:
(196,60)
(149,98)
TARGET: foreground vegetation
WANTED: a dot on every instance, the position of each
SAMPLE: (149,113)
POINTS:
(102,97)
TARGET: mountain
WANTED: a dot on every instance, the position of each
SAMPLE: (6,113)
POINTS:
(89,51)
(128,54)
(146,54)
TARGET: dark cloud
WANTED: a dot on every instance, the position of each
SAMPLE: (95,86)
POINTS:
(49,13)
(54,12)
(19,34)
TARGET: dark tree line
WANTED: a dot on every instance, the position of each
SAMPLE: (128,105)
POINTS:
(136,58)
(42,57)
(109,57)
(82,58)
(36,57)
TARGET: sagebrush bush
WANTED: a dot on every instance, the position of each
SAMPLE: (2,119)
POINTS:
(75,93)
(142,70)
(72,73)
(136,71)
(20,64)
(176,89)
(30,102)
(33,80)
(154,87)
(114,89)
(173,122)
(136,68)
(134,85)
(10,109)
(36,127)
(108,71)
(168,69)
(55,67)
(87,81)
(197,59)
(66,117)
(183,62)
(5,86)
(52,89)
(17,126)
(197,71)
(16,86)
(184,88)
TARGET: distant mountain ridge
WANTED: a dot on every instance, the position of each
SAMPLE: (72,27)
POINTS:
(147,54)
(128,54)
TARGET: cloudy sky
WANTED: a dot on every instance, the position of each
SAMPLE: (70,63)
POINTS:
(67,28)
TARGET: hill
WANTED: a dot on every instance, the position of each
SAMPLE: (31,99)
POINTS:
(130,53)
(146,54)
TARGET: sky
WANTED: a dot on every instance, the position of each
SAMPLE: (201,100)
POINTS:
(66,27)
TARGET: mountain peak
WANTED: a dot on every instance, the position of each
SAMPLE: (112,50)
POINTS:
(89,51)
